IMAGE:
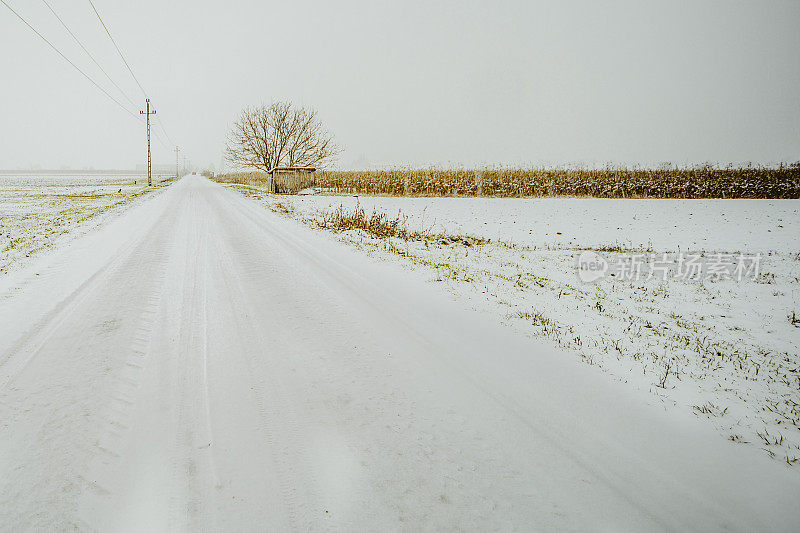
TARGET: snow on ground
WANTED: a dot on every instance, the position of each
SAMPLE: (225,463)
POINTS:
(37,211)
(202,363)
(663,225)
(723,349)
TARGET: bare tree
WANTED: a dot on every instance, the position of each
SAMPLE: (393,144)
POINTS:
(280,134)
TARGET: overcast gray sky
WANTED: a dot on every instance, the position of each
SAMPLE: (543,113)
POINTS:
(414,83)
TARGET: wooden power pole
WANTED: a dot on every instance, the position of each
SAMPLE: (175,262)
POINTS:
(148,112)
(176,163)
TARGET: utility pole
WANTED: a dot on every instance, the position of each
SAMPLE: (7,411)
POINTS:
(176,162)
(149,160)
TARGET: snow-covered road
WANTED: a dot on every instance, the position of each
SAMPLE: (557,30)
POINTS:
(201,363)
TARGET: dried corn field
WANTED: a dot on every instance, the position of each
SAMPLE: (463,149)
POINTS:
(256,179)
(699,182)
(283,182)
(705,182)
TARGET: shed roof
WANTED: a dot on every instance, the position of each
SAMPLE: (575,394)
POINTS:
(292,169)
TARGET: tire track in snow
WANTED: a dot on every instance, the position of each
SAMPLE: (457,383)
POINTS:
(194,462)
(146,269)
(277,414)
(31,341)
(73,383)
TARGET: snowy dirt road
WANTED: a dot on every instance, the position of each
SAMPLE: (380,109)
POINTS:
(201,363)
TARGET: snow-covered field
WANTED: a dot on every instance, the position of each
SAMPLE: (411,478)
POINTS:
(724,349)
(663,225)
(37,211)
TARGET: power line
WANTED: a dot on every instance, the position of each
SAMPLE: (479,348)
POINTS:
(161,124)
(158,137)
(20,17)
(117,47)
(88,53)
(127,65)
(89,78)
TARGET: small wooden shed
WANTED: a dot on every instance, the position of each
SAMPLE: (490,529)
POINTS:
(291,180)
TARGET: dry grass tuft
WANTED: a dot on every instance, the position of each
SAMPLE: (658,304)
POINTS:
(377,224)
(380,225)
